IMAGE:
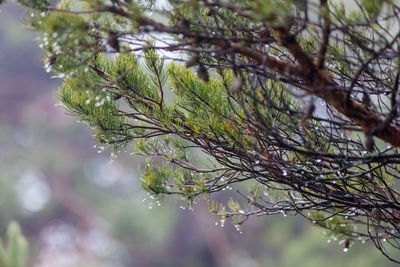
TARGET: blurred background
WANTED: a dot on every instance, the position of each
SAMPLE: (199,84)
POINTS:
(77,208)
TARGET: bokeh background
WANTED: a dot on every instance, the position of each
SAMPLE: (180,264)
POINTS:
(77,208)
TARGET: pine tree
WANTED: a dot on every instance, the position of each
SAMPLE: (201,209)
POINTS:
(294,104)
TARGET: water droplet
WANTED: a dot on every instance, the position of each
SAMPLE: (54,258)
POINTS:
(100,103)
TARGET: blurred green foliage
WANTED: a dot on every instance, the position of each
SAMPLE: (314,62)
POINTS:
(14,250)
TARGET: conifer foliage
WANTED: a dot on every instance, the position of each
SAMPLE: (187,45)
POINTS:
(294,104)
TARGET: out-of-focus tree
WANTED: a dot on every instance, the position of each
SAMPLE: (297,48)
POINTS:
(297,100)
(14,250)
